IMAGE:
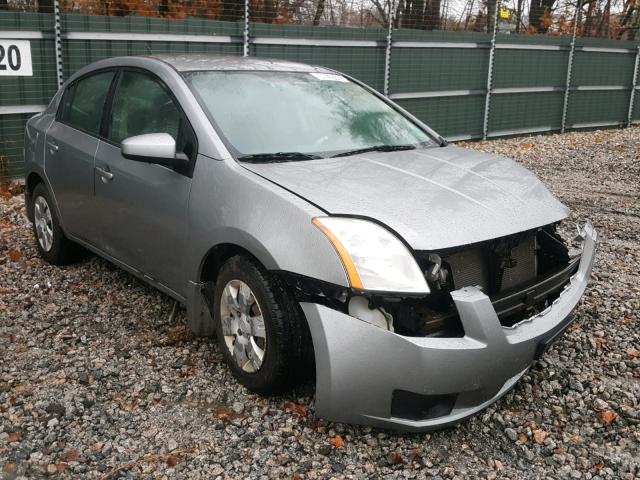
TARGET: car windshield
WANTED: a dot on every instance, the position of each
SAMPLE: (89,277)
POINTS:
(288,116)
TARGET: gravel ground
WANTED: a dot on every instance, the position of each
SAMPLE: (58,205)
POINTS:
(96,380)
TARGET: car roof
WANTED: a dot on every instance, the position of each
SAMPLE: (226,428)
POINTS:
(199,62)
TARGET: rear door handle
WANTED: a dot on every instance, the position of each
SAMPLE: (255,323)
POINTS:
(106,175)
(53,147)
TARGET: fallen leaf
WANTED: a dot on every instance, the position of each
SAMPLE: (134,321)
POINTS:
(9,467)
(15,255)
(633,354)
(172,461)
(539,436)
(524,147)
(599,466)
(296,408)
(20,388)
(607,416)
(337,441)
(11,189)
(70,456)
(415,455)
(395,458)
(522,439)
(15,437)
(225,413)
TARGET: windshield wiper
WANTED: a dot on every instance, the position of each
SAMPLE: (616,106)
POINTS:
(377,148)
(277,157)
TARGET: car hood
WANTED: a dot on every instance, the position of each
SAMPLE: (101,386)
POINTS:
(434,198)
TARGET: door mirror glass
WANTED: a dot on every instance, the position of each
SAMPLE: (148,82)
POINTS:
(153,148)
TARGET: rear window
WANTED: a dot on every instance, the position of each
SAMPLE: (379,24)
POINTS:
(84,102)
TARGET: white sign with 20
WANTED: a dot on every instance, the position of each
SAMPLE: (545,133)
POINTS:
(15,58)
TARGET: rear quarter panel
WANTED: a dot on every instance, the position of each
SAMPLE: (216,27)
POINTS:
(34,152)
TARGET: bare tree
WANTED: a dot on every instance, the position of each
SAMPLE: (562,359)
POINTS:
(537,10)
(519,15)
(233,10)
(45,6)
(319,12)
(420,14)
(492,6)
(630,21)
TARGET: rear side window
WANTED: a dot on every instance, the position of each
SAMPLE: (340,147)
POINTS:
(84,102)
(142,105)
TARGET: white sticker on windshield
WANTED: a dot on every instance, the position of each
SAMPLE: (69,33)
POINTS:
(332,77)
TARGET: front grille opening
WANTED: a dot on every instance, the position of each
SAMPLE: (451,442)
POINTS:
(414,406)
(522,274)
(497,265)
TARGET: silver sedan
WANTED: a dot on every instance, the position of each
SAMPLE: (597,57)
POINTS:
(313,226)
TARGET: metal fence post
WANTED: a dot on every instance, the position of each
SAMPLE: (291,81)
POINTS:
(387,53)
(634,85)
(245,33)
(492,53)
(572,49)
(58,41)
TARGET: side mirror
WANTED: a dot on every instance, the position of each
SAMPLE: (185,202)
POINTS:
(159,148)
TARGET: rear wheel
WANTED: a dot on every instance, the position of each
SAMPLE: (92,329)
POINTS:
(259,328)
(52,244)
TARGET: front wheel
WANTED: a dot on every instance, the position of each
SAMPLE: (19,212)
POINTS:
(259,328)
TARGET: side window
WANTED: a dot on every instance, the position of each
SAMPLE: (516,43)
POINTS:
(142,105)
(83,103)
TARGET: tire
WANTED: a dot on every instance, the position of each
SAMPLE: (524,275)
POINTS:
(52,245)
(287,346)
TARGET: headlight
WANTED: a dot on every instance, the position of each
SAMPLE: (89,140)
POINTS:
(373,258)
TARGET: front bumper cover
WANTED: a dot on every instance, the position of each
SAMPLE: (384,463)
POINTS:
(359,366)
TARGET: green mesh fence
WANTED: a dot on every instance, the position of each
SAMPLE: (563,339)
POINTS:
(439,76)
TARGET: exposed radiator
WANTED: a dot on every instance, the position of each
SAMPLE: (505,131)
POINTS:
(525,269)
(470,267)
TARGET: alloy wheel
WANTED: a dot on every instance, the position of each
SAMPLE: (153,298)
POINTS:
(43,223)
(243,326)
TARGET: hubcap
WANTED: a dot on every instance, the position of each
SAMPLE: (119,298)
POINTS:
(43,223)
(243,326)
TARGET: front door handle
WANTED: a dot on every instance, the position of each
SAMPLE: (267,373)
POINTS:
(105,175)
(53,147)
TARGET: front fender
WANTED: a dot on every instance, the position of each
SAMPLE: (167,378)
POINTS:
(231,205)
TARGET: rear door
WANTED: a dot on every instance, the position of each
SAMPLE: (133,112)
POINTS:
(71,144)
(142,207)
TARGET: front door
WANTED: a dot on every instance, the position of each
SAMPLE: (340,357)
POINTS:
(142,208)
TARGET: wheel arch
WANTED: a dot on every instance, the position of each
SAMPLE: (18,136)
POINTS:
(218,255)
(236,242)
(32,180)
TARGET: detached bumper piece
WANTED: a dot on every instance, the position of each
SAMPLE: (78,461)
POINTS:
(372,376)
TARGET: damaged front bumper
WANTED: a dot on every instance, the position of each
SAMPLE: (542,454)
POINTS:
(371,376)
